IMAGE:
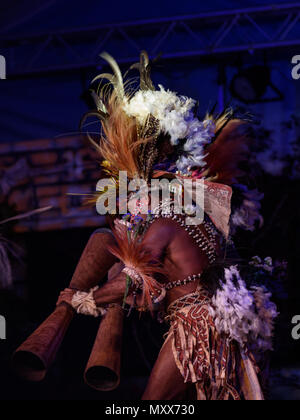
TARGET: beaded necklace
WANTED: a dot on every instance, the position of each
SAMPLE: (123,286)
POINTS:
(182,282)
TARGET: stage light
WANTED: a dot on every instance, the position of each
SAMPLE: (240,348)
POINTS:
(249,85)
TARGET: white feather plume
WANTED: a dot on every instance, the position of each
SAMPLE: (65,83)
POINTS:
(246,316)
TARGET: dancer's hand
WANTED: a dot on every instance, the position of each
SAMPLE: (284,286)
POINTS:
(137,301)
(66,296)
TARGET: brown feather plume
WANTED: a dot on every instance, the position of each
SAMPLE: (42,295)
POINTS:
(134,255)
(122,142)
(117,143)
(229,149)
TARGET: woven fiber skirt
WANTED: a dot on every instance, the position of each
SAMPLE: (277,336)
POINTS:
(216,365)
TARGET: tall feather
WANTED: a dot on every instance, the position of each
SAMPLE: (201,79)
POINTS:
(116,78)
(144,68)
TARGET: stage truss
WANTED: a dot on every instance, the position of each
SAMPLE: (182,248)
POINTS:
(204,34)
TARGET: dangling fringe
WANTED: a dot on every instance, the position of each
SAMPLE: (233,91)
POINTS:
(205,358)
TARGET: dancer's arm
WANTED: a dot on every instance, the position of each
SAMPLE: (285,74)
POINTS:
(156,241)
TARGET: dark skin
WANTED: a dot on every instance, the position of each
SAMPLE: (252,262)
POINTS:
(181,257)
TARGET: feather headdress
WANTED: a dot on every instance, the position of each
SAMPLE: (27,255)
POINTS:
(136,125)
(133,122)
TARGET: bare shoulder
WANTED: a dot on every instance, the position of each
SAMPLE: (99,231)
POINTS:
(160,234)
(162,225)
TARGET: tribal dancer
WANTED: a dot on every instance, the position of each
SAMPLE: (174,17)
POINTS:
(219,330)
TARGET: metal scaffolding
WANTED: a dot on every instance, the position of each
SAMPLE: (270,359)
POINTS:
(204,34)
